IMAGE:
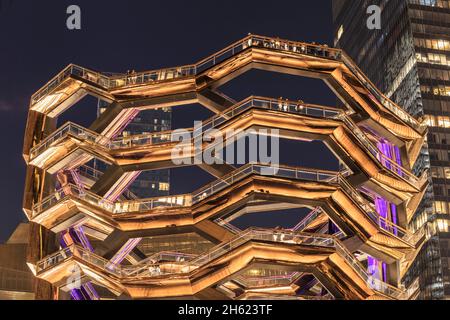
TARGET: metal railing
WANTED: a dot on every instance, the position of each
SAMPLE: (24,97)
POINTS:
(71,70)
(72,191)
(267,281)
(374,283)
(142,268)
(110,83)
(249,169)
(164,137)
(370,210)
(391,106)
(71,129)
(387,163)
(181,200)
(145,205)
(228,226)
(90,172)
(252,234)
(314,175)
(313,215)
(413,288)
(153,203)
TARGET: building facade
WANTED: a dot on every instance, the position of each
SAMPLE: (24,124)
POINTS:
(16,279)
(409,60)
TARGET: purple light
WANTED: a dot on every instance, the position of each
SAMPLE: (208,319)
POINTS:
(87,291)
(382,209)
(125,251)
(385,148)
(392,152)
(76,294)
(62,243)
(384,266)
(398,158)
(83,239)
(394,217)
(371,265)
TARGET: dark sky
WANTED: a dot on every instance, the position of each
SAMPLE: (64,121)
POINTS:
(120,35)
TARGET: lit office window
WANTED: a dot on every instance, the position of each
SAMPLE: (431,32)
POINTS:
(441,207)
(440,173)
(441,44)
(437,90)
(442,225)
(437,122)
(434,44)
(163,186)
(433,58)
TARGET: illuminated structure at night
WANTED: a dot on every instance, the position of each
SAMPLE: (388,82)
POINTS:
(409,61)
(353,244)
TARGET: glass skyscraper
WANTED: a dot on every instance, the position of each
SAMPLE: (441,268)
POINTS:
(409,60)
(148,184)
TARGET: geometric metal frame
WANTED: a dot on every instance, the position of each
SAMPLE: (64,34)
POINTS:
(348,132)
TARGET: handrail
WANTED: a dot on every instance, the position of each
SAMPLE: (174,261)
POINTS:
(297,47)
(69,129)
(164,137)
(181,200)
(386,102)
(187,200)
(95,174)
(304,174)
(252,234)
(70,70)
(380,156)
(368,208)
(215,121)
(160,257)
(308,219)
(267,281)
(90,172)
(228,226)
(182,71)
(110,206)
(249,169)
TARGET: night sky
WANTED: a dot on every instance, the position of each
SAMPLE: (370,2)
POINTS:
(117,36)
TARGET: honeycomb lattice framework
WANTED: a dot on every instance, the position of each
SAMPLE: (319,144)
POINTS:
(307,257)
